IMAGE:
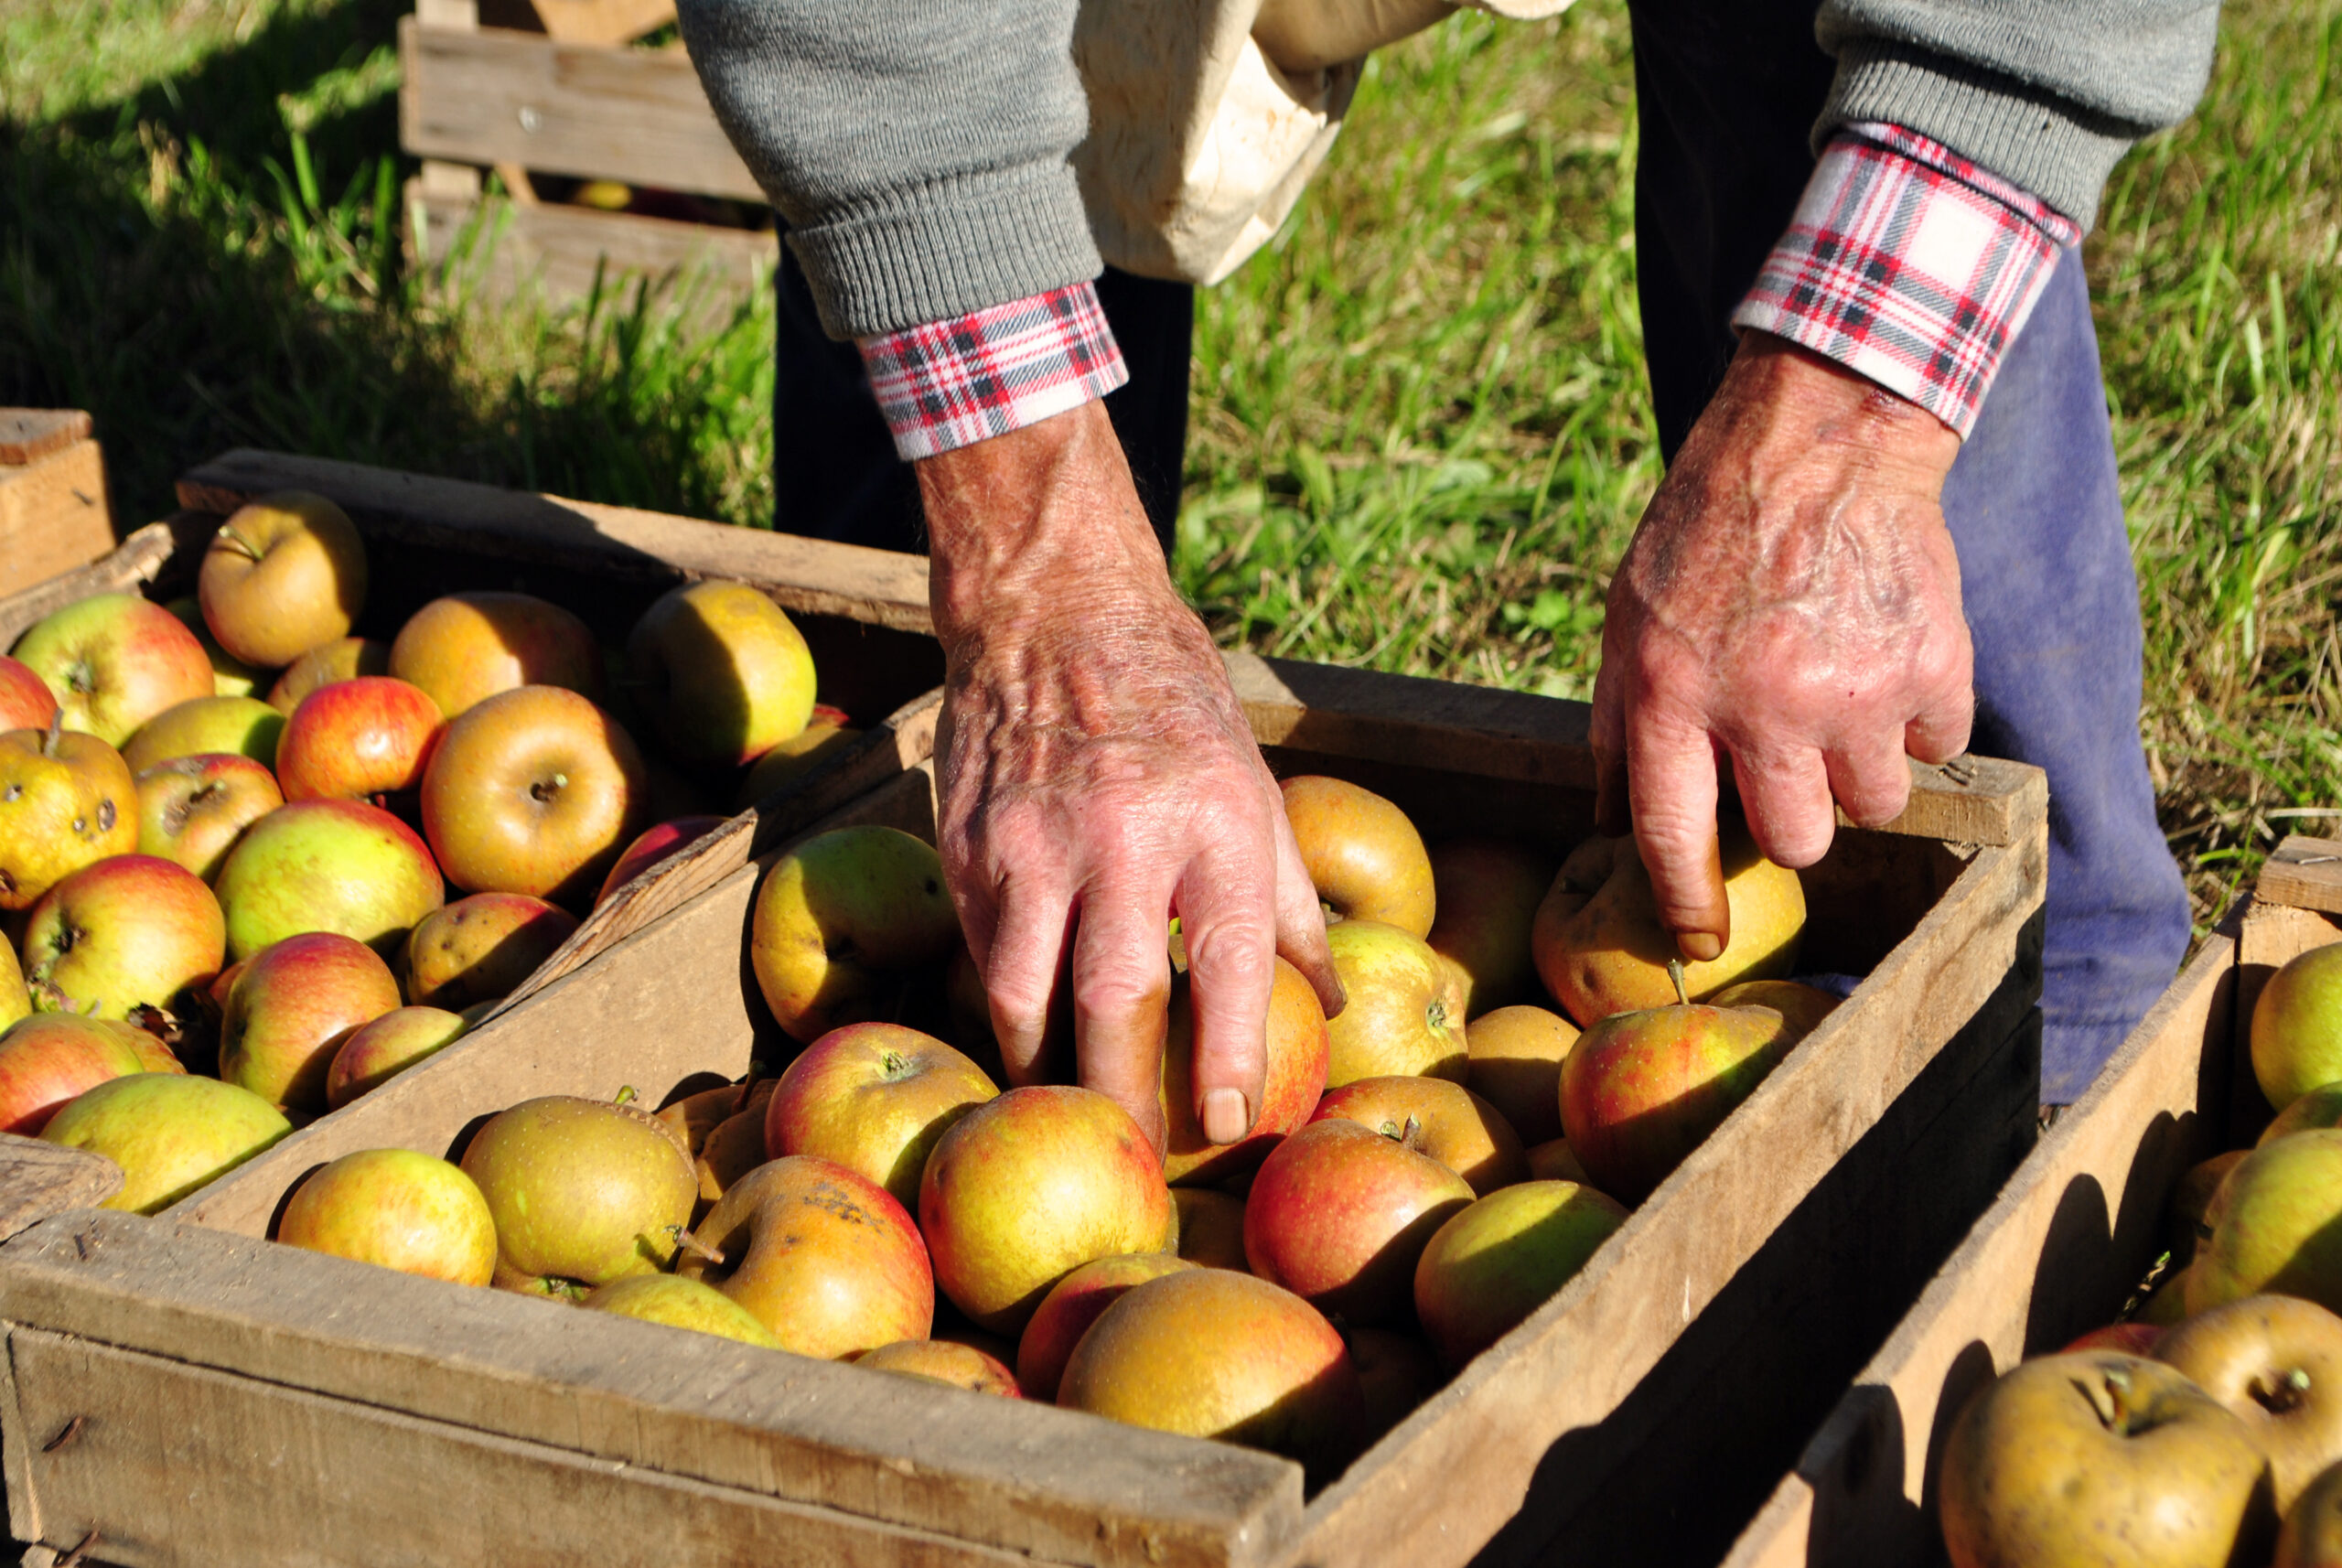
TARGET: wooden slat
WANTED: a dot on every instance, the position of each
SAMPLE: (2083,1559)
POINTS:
(2305,874)
(133,564)
(877,587)
(603,21)
(636,116)
(30,433)
(39,1179)
(53,515)
(504,249)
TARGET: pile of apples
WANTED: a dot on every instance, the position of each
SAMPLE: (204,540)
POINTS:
(1424,1170)
(2207,1428)
(193,875)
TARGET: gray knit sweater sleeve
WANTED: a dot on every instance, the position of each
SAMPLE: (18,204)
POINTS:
(917,147)
(2048,94)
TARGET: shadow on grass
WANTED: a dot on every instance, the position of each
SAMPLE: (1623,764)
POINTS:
(198,276)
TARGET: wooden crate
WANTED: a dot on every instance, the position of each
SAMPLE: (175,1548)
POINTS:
(240,1401)
(2063,1247)
(53,511)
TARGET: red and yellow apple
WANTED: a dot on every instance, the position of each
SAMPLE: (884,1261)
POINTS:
(1072,1304)
(398,1209)
(793,758)
(1298,1046)
(533,790)
(1498,1261)
(1443,1120)
(65,801)
(480,947)
(874,1098)
(377,1051)
(465,648)
(241,726)
(723,673)
(283,573)
(1362,854)
(291,1008)
(356,739)
(1406,1007)
(48,1059)
(192,810)
(26,701)
(327,866)
(943,1361)
(838,921)
(113,661)
(170,1132)
(343,659)
(653,844)
(125,938)
(1339,1214)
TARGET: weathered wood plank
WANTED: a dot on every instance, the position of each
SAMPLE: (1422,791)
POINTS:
(39,1179)
(562,253)
(133,564)
(53,514)
(2304,874)
(636,116)
(30,433)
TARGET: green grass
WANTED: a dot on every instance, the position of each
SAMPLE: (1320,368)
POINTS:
(1421,428)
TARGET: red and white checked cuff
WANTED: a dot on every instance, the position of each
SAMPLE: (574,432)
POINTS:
(949,383)
(1908,263)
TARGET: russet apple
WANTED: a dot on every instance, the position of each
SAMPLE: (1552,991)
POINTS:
(467,648)
(1498,1261)
(2276,1362)
(678,1303)
(25,702)
(294,1006)
(533,790)
(327,866)
(192,810)
(1072,1304)
(827,1260)
(16,1001)
(1362,854)
(697,1115)
(65,801)
(379,1050)
(343,659)
(653,844)
(1802,1006)
(1487,893)
(2312,1534)
(2101,1457)
(943,1361)
(2276,1226)
(283,573)
(1030,1186)
(1211,1228)
(1443,1120)
(125,938)
(2296,1034)
(2131,1338)
(733,1149)
(230,676)
(794,758)
(874,1098)
(170,1132)
(480,947)
(1601,947)
(1406,1007)
(356,739)
(723,673)
(581,1191)
(1553,1161)
(241,726)
(839,919)
(398,1209)
(1215,1354)
(2320,1107)
(2191,1200)
(1298,1046)
(113,661)
(1516,1066)
(48,1059)
(1339,1214)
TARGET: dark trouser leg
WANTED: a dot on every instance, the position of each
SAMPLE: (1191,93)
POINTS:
(1727,94)
(836,475)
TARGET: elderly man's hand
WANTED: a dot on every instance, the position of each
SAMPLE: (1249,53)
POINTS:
(1098,777)
(1790,599)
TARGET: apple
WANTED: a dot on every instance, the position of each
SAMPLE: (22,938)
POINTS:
(794,758)
(1601,947)
(1029,1186)
(734,1148)
(2131,1338)
(1211,1228)
(1396,1373)
(192,810)
(2167,1303)
(839,918)
(1362,854)
(581,1191)
(2274,1227)
(1642,1090)
(65,801)
(1338,1215)
(824,1259)
(2101,1457)
(170,1132)
(283,573)
(533,790)
(874,1098)
(343,659)
(653,844)
(379,1049)
(1553,1161)
(1487,892)
(113,661)
(680,1303)
(15,1001)
(697,1114)
(1072,1304)
(2312,1535)
(1406,1007)
(480,947)
(1802,1005)
(723,671)
(1496,1263)
(230,676)
(2296,1034)
(467,648)
(1443,1120)
(2320,1107)
(46,1059)
(1515,1056)
(396,1208)
(294,1006)
(241,726)
(25,702)
(125,938)
(943,1361)
(1214,1354)
(1298,1046)
(327,866)
(2191,1200)
(356,739)
(2276,1363)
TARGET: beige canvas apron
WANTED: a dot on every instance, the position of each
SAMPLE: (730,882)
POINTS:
(1208,117)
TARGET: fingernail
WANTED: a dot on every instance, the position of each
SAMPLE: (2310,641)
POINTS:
(1226,1116)
(1698,947)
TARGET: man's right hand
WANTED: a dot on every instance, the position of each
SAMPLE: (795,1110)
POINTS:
(1097,775)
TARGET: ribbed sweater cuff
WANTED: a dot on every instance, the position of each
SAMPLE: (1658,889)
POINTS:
(947,249)
(2026,137)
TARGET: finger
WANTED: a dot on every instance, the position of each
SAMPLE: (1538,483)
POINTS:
(1672,787)
(1121,999)
(1301,923)
(1941,731)
(1784,794)
(1228,914)
(1607,734)
(1020,967)
(1871,781)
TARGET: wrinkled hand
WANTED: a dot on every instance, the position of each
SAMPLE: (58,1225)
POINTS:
(1791,599)
(1097,776)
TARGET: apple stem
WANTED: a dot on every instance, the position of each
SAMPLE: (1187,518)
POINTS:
(690,1243)
(237,542)
(1675,973)
(56,732)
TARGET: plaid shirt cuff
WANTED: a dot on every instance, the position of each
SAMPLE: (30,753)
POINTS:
(1909,264)
(950,383)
